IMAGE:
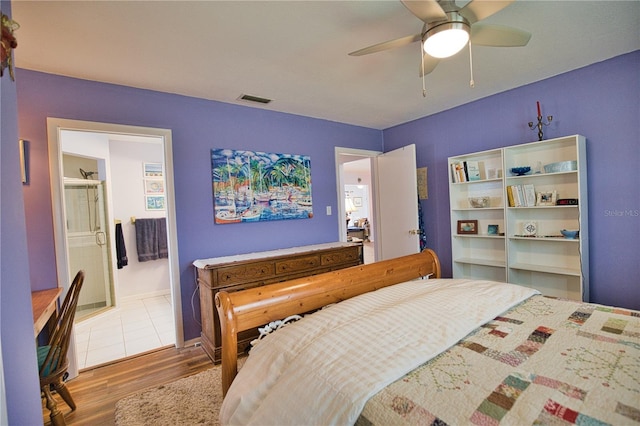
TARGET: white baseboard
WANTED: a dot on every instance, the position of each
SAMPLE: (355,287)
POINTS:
(145,295)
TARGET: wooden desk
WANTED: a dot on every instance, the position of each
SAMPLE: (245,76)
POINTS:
(44,304)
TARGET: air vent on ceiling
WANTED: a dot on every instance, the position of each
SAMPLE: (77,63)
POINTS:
(252,98)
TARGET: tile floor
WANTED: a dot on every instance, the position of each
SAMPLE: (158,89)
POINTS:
(134,327)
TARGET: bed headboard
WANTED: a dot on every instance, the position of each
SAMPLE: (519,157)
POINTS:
(246,309)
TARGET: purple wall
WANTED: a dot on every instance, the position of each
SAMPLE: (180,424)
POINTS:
(19,363)
(197,126)
(601,102)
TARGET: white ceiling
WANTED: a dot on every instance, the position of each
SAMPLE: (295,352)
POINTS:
(295,52)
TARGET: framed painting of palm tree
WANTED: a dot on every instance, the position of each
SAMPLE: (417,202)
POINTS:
(250,186)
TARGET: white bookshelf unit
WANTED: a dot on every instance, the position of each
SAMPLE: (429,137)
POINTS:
(478,255)
(524,246)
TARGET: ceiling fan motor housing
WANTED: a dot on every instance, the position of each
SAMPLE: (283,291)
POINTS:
(454,21)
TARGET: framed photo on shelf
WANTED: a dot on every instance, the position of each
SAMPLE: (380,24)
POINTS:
(467,227)
(492,230)
(546,198)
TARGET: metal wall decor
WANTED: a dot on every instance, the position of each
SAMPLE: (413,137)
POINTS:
(540,123)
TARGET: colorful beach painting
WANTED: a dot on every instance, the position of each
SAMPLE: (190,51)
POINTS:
(253,186)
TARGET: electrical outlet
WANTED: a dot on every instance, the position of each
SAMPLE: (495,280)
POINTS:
(328,210)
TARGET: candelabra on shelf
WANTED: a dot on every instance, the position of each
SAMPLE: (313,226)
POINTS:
(540,123)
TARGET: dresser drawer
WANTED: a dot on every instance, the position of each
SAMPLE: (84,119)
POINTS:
(296,264)
(342,256)
(248,272)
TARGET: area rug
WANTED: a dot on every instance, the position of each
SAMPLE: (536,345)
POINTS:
(188,401)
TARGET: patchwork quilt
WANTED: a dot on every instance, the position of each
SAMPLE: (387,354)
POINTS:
(545,361)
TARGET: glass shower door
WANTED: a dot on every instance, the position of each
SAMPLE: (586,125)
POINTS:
(88,243)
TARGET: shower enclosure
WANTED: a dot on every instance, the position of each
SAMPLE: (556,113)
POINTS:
(88,243)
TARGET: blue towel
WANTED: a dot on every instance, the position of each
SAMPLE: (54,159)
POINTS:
(151,239)
(121,250)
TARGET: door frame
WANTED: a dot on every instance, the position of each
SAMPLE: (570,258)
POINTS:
(360,154)
(54,128)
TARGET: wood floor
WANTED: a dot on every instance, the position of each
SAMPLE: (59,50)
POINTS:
(96,391)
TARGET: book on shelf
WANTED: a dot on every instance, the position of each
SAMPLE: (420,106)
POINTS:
(521,195)
(514,195)
(482,170)
(510,196)
(458,173)
(467,171)
(473,170)
(529,195)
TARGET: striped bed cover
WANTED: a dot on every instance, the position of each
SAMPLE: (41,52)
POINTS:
(322,369)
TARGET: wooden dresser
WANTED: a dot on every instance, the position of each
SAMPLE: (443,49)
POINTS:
(233,273)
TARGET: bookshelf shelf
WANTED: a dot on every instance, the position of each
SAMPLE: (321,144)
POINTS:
(481,236)
(533,253)
(551,239)
(484,262)
(478,209)
(546,269)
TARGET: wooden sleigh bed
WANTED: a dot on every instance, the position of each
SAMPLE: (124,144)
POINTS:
(530,359)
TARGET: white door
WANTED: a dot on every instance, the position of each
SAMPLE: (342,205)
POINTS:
(397,203)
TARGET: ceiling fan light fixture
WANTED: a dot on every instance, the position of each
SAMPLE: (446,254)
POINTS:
(446,40)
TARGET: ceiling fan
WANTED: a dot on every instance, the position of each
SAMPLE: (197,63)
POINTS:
(448,28)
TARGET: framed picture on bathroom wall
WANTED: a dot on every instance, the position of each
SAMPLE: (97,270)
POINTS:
(154,202)
(152,170)
(154,187)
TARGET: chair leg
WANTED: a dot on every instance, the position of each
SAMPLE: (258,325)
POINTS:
(63,391)
(57,418)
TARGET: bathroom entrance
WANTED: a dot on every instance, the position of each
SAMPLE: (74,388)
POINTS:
(99,188)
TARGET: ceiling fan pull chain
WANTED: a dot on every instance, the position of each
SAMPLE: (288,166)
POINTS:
(424,90)
(472,83)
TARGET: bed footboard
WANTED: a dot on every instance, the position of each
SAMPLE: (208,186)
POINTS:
(246,309)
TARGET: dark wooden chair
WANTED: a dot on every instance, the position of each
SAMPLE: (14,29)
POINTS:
(52,358)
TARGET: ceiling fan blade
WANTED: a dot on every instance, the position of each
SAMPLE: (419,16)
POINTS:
(477,10)
(391,44)
(430,63)
(426,10)
(498,35)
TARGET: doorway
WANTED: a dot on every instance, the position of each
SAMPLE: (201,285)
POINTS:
(394,227)
(70,139)
(356,198)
